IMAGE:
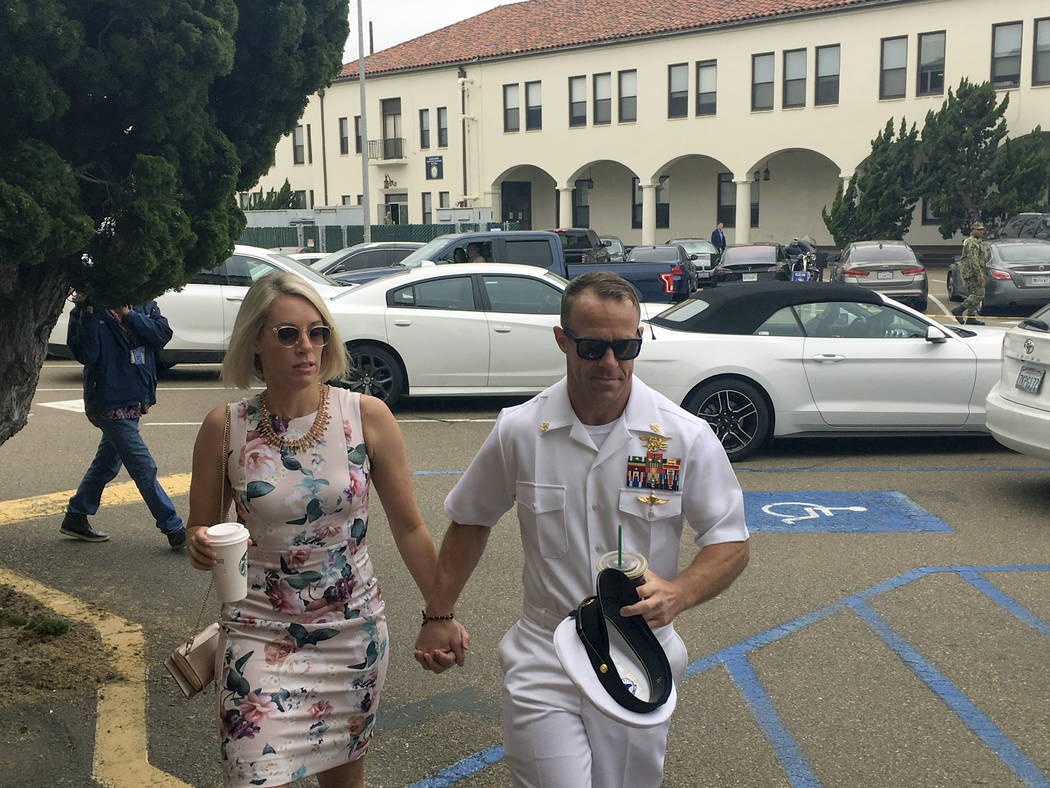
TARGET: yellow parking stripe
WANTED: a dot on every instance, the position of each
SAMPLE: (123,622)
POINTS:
(48,505)
(120,726)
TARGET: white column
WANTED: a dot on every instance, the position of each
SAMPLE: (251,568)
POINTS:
(648,214)
(743,212)
(565,206)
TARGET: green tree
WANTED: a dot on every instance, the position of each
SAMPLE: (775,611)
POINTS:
(127,128)
(970,169)
(277,200)
(879,200)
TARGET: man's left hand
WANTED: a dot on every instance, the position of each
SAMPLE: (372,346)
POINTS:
(661,601)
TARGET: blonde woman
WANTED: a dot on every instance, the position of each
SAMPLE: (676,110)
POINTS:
(306,652)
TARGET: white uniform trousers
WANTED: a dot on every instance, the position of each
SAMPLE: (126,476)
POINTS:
(553,737)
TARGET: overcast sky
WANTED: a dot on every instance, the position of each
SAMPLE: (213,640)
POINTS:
(394,21)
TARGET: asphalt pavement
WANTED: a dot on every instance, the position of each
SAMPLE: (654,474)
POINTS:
(893,627)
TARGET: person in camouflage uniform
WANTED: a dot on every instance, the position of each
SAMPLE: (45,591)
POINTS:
(971,268)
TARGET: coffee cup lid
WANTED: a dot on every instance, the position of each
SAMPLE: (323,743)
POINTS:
(227,533)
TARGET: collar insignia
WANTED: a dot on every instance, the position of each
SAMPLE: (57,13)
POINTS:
(545,426)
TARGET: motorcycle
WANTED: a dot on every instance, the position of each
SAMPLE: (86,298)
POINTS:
(804,261)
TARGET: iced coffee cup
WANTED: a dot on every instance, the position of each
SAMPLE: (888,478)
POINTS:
(629,562)
(230,542)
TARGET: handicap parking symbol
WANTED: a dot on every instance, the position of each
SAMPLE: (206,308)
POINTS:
(839,512)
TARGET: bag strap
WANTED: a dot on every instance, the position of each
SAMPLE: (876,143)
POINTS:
(222,511)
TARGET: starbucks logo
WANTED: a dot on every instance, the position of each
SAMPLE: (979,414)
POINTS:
(243,567)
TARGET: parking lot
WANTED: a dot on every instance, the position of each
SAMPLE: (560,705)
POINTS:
(893,627)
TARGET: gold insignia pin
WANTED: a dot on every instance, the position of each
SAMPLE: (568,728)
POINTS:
(544,426)
(656,443)
(651,499)
(654,427)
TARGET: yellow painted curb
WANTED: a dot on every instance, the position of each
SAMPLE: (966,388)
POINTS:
(51,504)
(120,727)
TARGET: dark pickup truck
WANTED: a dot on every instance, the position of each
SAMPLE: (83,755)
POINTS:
(654,282)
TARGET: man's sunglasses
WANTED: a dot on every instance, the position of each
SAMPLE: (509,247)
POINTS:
(288,335)
(593,349)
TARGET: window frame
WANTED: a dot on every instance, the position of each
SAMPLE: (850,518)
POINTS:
(344,136)
(636,203)
(677,100)
(920,71)
(725,212)
(702,65)
(511,113)
(581,204)
(784,102)
(755,85)
(357,133)
(533,112)
(598,103)
(442,124)
(817,77)
(424,129)
(298,145)
(427,206)
(663,209)
(1042,22)
(883,71)
(621,97)
(1020,48)
(576,120)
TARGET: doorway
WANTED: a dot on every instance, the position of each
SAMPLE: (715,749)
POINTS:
(516,199)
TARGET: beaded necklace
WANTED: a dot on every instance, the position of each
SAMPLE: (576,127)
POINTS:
(309,440)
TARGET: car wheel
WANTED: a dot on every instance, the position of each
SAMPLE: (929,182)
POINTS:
(922,304)
(953,294)
(737,412)
(374,371)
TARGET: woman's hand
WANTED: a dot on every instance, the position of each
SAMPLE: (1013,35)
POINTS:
(199,548)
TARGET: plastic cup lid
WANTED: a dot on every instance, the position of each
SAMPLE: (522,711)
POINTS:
(227,533)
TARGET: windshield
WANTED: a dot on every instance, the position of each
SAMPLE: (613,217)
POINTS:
(323,262)
(696,247)
(426,252)
(749,254)
(683,311)
(575,241)
(307,272)
(654,254)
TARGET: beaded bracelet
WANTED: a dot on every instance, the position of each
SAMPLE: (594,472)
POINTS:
(427,619)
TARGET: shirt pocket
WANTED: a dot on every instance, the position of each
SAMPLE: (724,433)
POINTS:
(638,517)
(542,506)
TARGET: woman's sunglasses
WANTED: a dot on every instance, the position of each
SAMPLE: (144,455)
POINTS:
(593,349)
(288,335)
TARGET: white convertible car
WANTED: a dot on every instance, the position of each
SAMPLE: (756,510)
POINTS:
(786,359)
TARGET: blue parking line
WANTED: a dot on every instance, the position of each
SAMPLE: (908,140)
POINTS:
(965,709)
(788,753)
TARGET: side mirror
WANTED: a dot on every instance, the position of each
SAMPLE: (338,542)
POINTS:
(935,335)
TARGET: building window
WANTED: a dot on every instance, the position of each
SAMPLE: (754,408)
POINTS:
(1006,55)
(754,202)
(706,87)
(442,127)
(663,202)
(893,70)
(581,204)
(726,199)
(602,98)
(511,108)
(827,75)
(424,128)
(298,150)
(931,64)
(929,216)
(360,199)
(357,133)
(794,78)
(636,203)
(762,81)
(677,90)
(577,101)
(299,198)
(344,136)
(1041,53)
(427,206)
(443,200)
(628,105)
(345,199)
(533,106)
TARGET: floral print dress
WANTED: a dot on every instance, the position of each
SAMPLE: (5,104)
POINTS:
(306,652)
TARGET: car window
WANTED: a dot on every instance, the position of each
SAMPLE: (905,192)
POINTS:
(451,292)
(1024,253)
(574,241)
(369,258)
(859,321)
(529,252)
(656,254)
(243,271)
(888,253)
(759,254)
(782,323)
(521,295)
(397,255)
(212,276)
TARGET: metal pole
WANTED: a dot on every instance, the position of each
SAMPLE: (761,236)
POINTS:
(324,150)
(365,201)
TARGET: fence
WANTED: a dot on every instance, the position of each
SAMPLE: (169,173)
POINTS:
(328,238)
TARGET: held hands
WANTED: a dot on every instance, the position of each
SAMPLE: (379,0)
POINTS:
(661,601)
(199,548)
(441,644)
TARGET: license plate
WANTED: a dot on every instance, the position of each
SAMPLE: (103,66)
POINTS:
(884,274)
(1039,280)
(750,277)
(1030,379)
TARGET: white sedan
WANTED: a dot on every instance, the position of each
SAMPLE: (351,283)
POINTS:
(782,359)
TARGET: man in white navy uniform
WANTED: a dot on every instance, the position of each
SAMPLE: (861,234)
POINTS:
(594,451)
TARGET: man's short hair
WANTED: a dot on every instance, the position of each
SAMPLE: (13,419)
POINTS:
(604,284)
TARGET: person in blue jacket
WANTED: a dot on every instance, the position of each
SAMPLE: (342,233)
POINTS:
(118,348)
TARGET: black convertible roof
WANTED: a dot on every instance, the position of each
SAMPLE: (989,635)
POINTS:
(741,308)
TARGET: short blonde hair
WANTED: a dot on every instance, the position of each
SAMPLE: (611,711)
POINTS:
(241,366)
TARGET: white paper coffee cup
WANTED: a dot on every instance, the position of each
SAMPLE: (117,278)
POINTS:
(230,542)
